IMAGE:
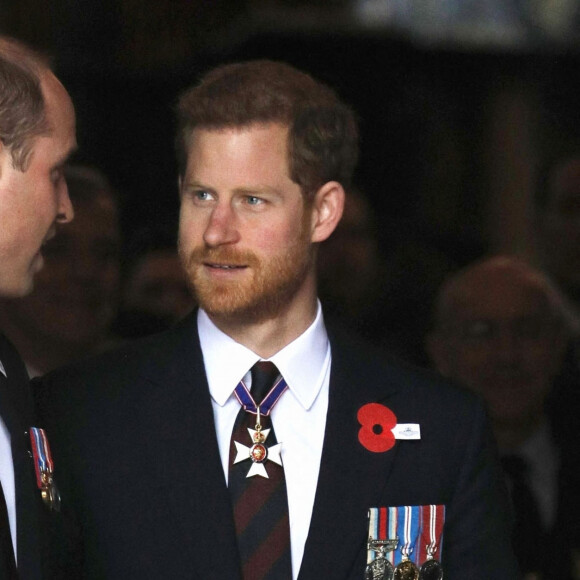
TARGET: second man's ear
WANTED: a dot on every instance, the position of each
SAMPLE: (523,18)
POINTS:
(327,208)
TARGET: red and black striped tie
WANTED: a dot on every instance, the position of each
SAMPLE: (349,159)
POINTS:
(260,504)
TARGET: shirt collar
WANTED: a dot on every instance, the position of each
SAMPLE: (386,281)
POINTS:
(3,370)
(303,363)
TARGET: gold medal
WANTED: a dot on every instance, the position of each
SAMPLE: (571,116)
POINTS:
(406,570)
(49,493)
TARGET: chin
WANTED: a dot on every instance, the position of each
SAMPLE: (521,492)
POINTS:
(23,288)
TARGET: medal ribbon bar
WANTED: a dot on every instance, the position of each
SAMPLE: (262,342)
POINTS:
(43,463)
(382,540)
(432,520)
(409,520)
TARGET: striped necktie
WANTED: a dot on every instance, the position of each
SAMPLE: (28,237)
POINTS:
(260,503)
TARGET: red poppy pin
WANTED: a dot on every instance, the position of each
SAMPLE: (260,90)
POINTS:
(377,422)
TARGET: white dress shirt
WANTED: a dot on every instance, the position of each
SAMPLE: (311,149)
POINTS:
(299,417)
(7,474)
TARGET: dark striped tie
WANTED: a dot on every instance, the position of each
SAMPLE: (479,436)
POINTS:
(260,504)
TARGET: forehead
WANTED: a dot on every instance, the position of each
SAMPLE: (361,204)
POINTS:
(498,298)
(60,114)
(251,147)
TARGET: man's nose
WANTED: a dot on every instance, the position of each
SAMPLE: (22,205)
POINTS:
(222,227)
(65,208)
(508,346)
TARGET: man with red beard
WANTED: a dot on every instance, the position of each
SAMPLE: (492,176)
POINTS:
(344,466)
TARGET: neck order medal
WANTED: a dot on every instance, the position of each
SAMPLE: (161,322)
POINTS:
(258,452)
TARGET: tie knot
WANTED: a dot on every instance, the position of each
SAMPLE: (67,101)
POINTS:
(264,374)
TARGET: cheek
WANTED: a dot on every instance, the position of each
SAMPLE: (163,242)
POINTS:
(544,359)
(190,230)
(472,359)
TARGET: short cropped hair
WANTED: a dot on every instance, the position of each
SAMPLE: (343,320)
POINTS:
(323,133)
(22,106)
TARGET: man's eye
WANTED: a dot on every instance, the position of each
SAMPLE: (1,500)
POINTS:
(253,200)
(202,195)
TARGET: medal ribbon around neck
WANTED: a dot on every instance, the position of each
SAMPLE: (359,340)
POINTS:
(247,401)
(259,453)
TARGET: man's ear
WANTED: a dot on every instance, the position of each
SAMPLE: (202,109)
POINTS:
(327,208)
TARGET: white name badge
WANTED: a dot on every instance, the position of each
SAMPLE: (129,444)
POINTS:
(407,431)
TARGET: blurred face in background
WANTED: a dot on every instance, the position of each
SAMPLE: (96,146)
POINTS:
(500,338)
(75,296)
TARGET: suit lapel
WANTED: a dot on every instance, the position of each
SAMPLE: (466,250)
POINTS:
(16,410)
(185,454)
(351,478)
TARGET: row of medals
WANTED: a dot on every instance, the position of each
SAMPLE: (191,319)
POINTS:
(381,569)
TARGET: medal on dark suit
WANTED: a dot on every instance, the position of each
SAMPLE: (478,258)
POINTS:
(44,468)
(380,568)
(408,518)
(431,570)
(406,570)
(379,544)
(433,518)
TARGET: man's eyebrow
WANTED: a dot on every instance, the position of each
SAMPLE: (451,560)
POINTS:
(191,185)
(257,190)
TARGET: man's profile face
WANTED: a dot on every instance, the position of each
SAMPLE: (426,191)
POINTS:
(30,201)
(244,231)
(504,344)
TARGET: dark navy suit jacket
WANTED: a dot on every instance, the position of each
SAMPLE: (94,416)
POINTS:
(16,409)
(136,454)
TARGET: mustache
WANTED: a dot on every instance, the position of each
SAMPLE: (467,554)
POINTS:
(221,255)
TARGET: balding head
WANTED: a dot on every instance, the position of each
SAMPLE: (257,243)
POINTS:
(22,105)
(500,330)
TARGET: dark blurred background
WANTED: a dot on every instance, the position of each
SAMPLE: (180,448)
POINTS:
(461,102)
